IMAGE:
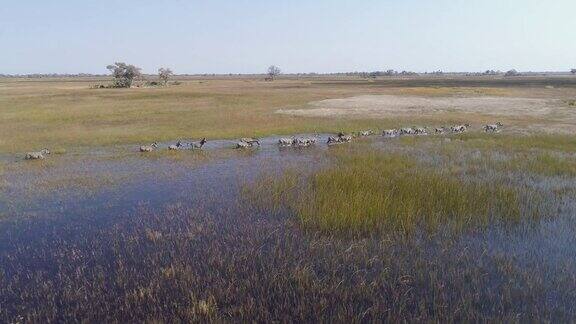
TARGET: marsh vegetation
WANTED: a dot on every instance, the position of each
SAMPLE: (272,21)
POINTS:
(451,227)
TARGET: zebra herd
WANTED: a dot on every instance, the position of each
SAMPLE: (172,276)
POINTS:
(340,138)
(37,155)
(297,141)
(490,128)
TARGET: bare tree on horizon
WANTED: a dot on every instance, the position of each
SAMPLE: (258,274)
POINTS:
(273,72)
(164,74)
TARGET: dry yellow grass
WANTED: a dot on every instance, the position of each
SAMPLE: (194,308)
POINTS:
(67,113)
(35,114)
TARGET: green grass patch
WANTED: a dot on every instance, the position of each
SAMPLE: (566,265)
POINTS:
(368,191)
(543,164)
(509,142)
(375,191)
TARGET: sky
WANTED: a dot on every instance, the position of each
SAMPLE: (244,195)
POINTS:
(246,36)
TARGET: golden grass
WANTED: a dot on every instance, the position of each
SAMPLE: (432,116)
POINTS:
(63,114)
(55,114)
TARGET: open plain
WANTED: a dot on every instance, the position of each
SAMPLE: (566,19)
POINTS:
(466,226)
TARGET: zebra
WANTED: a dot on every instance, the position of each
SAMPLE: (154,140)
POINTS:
(198,145)
(37,155)
(390,132)
(440,130)
(459,128)
(247,142)
(493,127)
(304,141)
(148,148)
(407,131)
(420,131)
(287,141)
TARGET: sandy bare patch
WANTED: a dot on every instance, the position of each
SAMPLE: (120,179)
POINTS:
(391,105)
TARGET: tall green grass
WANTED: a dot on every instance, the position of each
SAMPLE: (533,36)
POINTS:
(544,164)
(369,191)
(509,142)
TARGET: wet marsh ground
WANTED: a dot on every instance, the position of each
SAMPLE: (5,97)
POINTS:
(471,227)
(224,235)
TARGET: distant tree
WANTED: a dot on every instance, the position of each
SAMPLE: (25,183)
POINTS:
(124,74)
(273,72)
(512,73)
(573,71)
(164,74)
(390,73)
(374,74)
(490,72)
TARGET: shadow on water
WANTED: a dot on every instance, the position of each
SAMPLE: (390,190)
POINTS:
(166,236)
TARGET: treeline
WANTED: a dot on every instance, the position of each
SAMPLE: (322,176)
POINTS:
(52,75)
(309,74)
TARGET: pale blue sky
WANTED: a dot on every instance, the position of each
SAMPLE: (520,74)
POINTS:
(245,36)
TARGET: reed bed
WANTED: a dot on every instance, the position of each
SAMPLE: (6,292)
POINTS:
(546,164)
(516,142)
(366,191)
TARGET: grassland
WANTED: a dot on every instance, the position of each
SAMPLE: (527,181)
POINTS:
(63,114)
(69,114)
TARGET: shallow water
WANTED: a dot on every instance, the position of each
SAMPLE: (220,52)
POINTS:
(71,216)
(119,178)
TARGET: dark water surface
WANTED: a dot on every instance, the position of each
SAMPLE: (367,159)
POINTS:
(118,179)
(118,235)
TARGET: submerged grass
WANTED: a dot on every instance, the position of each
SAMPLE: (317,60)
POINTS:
(3,182)
(270,193)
